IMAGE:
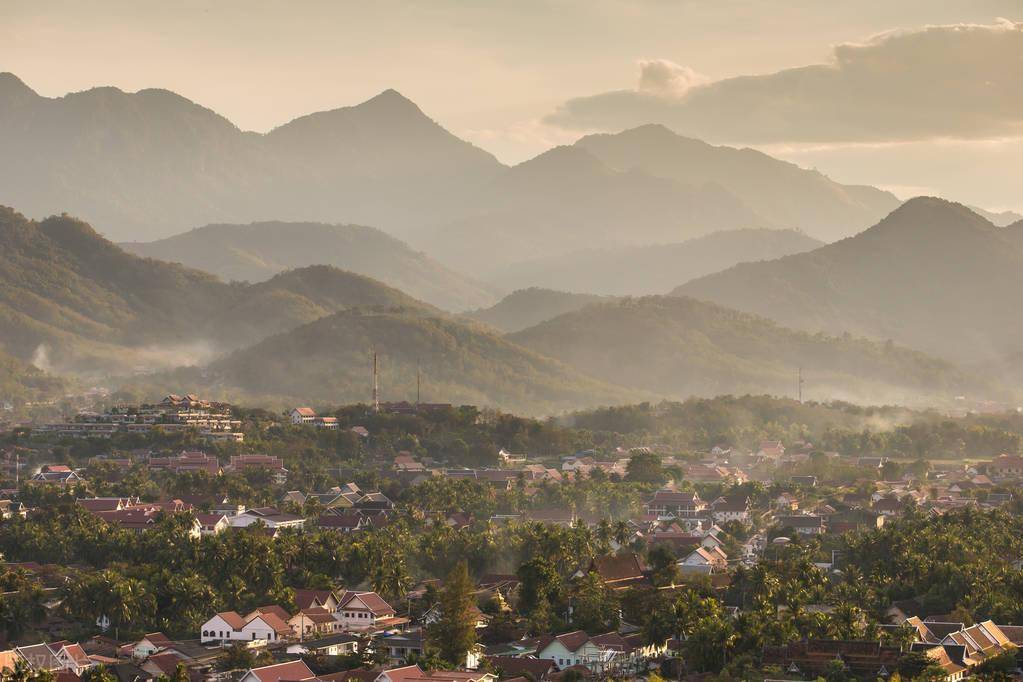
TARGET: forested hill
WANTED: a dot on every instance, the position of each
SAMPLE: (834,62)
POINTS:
(331,359)
(933,275)
(66,289)
(680,347)
(258,251)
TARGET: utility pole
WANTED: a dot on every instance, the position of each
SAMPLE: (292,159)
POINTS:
(419,384)
(800,385)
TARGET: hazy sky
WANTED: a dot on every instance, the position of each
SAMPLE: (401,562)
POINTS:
(936,110)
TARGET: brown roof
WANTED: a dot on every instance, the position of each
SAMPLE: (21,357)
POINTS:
(292,670)
(232,618)
(278,611)
(570,640)
(279,626)
(317,614)
(514,665)
(166,661)
(616,567)
(372,600)
(306,598)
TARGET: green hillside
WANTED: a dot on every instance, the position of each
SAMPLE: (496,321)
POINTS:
(682,347)
(933,275)
(331,359)
(93,306)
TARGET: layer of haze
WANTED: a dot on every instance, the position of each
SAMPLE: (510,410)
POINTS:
(519,77)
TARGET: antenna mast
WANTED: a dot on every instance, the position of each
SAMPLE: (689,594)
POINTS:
(376,384)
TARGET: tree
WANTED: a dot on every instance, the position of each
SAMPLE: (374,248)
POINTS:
(238,657)
(98,673)
(539,583)
(645,467)
(180,674)
(594,606)
(454,634)
(663,566)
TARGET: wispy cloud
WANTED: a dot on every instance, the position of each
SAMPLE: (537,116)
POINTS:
(951,81)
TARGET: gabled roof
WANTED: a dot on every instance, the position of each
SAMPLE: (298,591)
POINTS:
(572,641)
(276,610)
(372,600)
(292,670)
(232,618)
(306,598)
(39,657)
(616,567)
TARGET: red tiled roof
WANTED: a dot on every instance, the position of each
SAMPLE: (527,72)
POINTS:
(292,670)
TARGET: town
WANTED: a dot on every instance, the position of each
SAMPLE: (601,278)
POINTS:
(188,539)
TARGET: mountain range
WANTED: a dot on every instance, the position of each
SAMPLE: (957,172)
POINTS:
(67,292)
(151,164)
(677,346)
(258,251)
(651,268)
(932,275)
(782,193)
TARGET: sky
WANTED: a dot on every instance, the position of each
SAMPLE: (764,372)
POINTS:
(916,96)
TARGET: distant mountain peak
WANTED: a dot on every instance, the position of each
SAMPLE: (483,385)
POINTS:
(392,103)
(13,89)
(926,212)
(563,159)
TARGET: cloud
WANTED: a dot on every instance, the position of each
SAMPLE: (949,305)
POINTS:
(667,79)
(958,81)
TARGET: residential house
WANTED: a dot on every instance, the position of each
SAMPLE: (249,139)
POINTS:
(212,524)
(810,658)
(150,644)
(363,610)
(271,517)
(325,599)
(1006,467)
(229,626)
(56,474)
(344,523)
(619,571)
(186,461)
(803,524)
(301,416)
(338,644)
(666,503)
(726,509)
(313,621)
(270,463)
(703,560)
(538,669)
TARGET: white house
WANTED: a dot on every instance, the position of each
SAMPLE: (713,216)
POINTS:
(150,644)
(270,516)
(362,610)
(703,560)
(578,648)
(229,626)
(731,509)
(302,415)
